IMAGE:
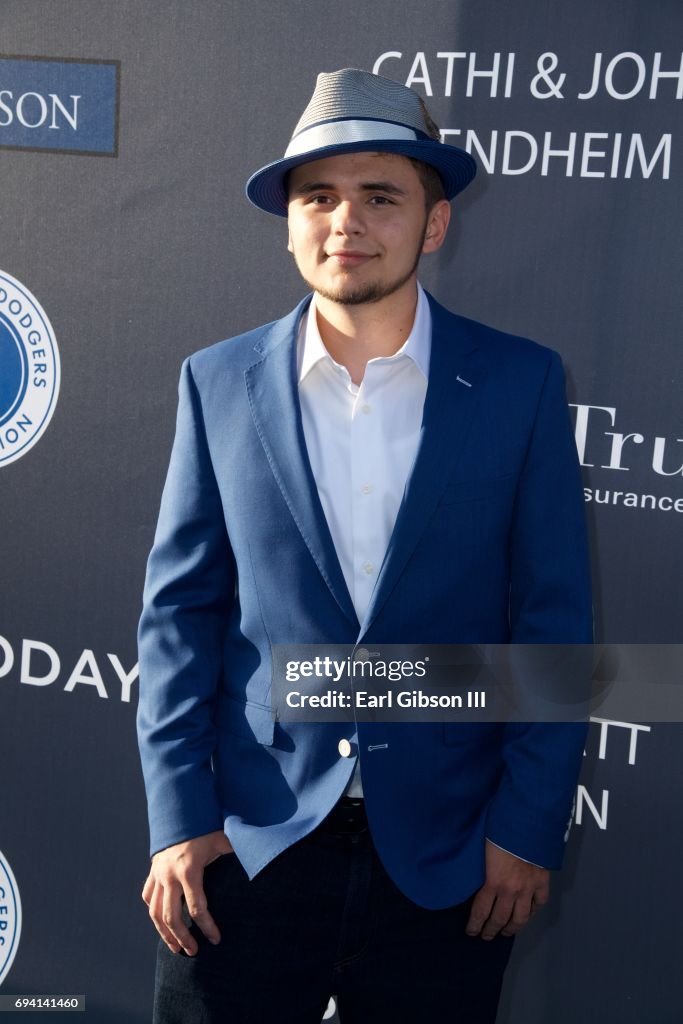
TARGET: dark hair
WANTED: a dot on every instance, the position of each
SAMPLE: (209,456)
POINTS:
(431,182)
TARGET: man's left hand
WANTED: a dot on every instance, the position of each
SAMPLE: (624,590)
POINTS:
(510,896)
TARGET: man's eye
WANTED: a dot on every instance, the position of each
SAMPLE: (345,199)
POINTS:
(381,201)
(319,200)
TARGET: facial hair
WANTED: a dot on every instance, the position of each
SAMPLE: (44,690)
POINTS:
(370,291)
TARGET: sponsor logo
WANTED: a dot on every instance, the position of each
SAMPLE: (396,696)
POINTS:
(602,447)
(57,104)
(10,917)
(29,370)
(35,663)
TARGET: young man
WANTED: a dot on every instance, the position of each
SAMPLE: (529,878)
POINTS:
(374,469)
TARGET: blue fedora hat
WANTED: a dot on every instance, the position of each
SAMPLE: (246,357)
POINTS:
(352,111)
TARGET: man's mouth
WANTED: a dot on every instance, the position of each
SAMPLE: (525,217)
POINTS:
(349,257)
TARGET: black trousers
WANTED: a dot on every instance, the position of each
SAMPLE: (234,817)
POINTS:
(324,919)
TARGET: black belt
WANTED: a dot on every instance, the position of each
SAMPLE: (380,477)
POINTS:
(346,818)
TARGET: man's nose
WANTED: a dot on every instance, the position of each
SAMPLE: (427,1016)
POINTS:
(347,218)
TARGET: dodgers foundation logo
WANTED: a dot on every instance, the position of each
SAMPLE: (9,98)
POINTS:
(29,370)
(10,917)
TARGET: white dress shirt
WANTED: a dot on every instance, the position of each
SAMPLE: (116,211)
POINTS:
(362,441)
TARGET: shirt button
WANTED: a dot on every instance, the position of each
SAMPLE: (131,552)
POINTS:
(365,408)
(366,488)
(344,748)
(368,568)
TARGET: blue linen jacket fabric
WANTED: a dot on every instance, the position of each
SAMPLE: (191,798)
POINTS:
(489,547)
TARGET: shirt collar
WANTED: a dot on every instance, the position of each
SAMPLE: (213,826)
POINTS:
(417,345)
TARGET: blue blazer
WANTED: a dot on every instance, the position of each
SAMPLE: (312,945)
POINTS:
(489,546)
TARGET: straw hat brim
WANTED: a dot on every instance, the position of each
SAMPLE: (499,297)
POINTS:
(266,189)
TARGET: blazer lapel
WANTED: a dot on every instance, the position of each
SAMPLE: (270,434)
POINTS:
(273,392)
(452,396)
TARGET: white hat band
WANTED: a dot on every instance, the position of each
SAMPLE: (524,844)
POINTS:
(335,133)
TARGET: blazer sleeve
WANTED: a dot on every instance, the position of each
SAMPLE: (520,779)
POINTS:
(189,590)
(550,602)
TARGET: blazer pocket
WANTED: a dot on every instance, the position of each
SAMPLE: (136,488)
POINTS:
(246,719)
(477,490)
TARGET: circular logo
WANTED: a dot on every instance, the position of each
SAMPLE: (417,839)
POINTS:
(29,370)
(10,917)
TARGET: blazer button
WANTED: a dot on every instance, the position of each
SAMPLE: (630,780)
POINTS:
(345,748)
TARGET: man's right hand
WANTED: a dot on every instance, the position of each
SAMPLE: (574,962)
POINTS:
(178,871)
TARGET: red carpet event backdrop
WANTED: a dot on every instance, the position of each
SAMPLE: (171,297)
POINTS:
(127,132)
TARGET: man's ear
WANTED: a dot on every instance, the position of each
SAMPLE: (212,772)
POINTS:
(438,220)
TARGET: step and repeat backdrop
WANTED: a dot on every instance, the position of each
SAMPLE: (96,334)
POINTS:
(127,132)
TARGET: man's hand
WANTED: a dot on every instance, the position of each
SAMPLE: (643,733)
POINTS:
(177,871)
(510,896)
